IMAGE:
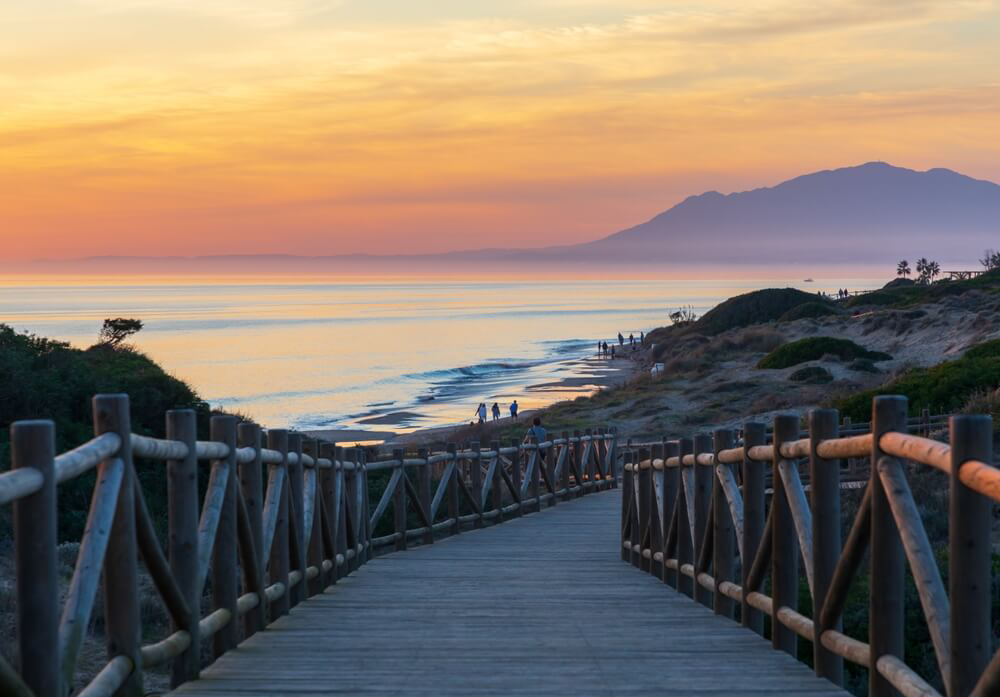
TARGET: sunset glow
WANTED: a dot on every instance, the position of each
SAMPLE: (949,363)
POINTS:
(179,127)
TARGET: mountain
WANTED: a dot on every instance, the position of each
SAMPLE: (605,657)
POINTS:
(871,212)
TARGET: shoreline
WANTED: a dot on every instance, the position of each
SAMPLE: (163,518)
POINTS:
(600,374)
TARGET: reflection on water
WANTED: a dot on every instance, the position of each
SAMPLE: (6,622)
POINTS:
(397,355)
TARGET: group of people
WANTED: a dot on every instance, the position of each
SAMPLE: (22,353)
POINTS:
(495,409)
(842,293)
(603,349)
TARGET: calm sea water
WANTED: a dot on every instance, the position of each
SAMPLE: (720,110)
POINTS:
(375,355)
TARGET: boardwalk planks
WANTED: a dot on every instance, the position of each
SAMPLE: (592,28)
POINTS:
(504,611)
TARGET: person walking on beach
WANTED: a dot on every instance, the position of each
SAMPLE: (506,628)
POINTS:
(513,410)
(496,411)
(642,337)
(621,339)
(631,339)
(537,431)
(481,412)
(612,351)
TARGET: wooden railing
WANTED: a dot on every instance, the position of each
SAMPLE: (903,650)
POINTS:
(695,513)
(263,549)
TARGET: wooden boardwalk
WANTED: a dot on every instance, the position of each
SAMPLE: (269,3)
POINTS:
(542,605)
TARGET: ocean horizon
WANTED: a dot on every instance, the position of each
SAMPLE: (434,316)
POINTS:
(389,355)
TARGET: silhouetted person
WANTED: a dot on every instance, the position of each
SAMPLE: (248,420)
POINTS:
(621,339)
(631,339)
(481,412)
(496,411)
(612,351)
(513,410)
(642,337)
(537,431)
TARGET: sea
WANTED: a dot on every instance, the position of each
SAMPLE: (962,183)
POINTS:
(374,355)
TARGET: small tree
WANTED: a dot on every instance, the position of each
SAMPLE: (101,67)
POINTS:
(684,315)
(115,331)
(903,269)
(990,260)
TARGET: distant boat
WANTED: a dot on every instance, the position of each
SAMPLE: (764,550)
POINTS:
(807,280)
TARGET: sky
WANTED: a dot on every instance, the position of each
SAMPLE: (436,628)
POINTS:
(186,127)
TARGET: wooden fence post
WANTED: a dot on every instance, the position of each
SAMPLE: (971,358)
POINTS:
(363,507)
(314,553)
(969,557)
(685,543)
(587,468)
(724,535)
(476,478)
(515,474)
(824,482)
(399,502)
(658,504)
(424,488)
(251,483)
(454,503)
(703,478)
(576,453)
(671,497)
(32,445)
(182,537)
(627,499)
(754,433)
(612,458)
(331,507)
(277,439)
(784,542)
(122,620)
(496,487)
(643,509)
(885,611)
(225,585)
(296,516)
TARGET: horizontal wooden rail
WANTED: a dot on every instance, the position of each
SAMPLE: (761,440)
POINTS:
(265,547)
(663,518)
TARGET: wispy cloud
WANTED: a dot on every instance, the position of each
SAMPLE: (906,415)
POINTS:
(124,119)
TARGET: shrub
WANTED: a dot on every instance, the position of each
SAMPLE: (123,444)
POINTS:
(753,308)
(945,387)
(863,365)
(812,375)
(809,310)
(815,347)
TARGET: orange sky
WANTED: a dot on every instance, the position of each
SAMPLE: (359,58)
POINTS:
(166,127)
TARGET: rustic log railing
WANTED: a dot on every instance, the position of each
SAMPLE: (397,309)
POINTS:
(695,513)
(264,549)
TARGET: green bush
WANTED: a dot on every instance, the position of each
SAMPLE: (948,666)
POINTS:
(987,349)
(812,375)
(753,308)
(863,365)
(916,294)
(45,379)
(809,310)
(814,348)
(945,387)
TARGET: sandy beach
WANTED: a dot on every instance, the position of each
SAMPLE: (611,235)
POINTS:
(590,374)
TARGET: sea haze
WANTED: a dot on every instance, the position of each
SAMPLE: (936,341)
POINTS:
(375,355)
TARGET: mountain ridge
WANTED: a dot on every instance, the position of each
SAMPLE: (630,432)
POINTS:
(830,215)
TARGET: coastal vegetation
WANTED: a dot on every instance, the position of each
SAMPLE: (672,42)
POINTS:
(49,379)
(945,387)
(816,347)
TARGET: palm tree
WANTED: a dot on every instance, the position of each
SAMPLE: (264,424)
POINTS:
(933,269)
(903,268)
(922,270)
